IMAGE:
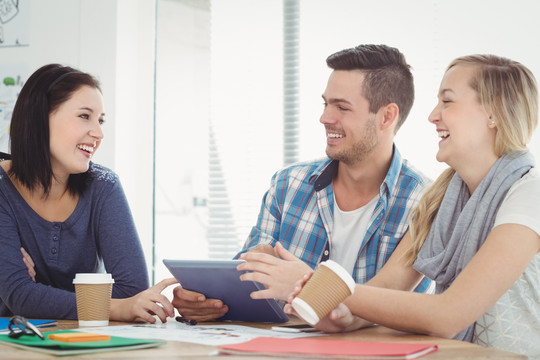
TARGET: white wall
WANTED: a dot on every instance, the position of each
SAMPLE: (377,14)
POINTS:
(134,118)
(67,32)
(113,40)
(181,130)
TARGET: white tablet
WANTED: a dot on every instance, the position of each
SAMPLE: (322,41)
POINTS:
(219,279)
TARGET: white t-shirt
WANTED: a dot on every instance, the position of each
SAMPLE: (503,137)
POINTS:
(349,230)
(513,323)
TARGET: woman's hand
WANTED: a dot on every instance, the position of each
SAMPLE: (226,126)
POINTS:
(339,320)
(29,264)
(144,305)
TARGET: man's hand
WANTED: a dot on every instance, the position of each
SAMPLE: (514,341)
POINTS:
(195,306)
(266,249)
(279,274)
(144,305)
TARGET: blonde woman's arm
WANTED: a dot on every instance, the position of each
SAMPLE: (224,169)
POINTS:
(395,274)
(500,261)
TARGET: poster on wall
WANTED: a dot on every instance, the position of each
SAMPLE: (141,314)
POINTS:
(14,23)
(12,79)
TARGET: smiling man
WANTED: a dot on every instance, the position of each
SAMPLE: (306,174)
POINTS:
(351,207)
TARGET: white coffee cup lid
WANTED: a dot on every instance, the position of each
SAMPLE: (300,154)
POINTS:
(93,278)
(341,272)
(305,311)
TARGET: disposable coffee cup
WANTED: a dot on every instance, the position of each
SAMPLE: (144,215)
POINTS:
(93,293)
(329,285)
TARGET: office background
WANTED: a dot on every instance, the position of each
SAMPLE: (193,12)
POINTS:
(196,97)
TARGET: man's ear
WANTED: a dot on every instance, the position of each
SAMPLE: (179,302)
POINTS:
(390,115)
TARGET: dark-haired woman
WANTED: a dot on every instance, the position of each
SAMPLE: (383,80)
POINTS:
(61,214)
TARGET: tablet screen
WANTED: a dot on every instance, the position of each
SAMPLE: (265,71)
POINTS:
(219,279)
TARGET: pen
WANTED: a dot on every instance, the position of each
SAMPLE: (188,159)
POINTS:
(186,321)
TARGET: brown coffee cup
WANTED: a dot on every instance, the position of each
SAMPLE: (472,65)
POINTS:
(93,293)
(329,285)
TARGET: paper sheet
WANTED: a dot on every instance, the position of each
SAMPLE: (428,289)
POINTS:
(214,335)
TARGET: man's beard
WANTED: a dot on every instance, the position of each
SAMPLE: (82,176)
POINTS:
(359,150)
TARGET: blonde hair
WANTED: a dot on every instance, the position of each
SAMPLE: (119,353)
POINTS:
(509,93)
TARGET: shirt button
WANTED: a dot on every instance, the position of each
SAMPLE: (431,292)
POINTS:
(55,238)
(325,252)
(53,250)
(57,226)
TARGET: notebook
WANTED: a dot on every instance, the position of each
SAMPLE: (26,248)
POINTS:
(4,322)
(63,348)
(327,349)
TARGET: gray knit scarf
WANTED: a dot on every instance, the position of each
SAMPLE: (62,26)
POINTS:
(463,222)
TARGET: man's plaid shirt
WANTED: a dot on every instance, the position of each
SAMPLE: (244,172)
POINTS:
(298,211)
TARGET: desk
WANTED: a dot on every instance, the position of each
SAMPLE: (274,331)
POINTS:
(448,349)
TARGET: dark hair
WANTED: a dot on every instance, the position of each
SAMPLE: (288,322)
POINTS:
(388,77)
(44,91)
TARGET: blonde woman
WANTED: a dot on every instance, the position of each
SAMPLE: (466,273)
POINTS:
(476,230)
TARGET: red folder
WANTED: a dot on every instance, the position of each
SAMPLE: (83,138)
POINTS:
(313,348)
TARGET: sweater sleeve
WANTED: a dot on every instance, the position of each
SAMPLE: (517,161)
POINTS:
(118,243)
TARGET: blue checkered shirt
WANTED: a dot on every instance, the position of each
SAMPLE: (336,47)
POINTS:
(298,211)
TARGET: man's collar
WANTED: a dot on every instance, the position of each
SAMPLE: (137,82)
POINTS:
(392,175)
(325,174)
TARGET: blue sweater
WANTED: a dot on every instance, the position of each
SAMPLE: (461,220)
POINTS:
(100,232)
